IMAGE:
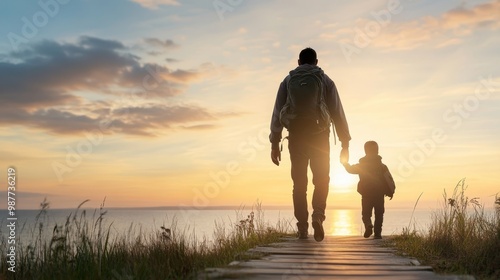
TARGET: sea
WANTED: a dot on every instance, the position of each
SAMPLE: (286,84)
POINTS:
(199,225)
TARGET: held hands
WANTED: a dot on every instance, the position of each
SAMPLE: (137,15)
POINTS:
(276,156)
(344,156)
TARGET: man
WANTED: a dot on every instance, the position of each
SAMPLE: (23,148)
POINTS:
(308,136)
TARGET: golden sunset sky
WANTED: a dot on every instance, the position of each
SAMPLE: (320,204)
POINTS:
(168,102)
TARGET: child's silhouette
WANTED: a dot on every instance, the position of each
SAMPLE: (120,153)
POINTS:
(375,181)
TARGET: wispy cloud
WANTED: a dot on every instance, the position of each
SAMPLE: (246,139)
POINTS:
(154,4)
(450,28)
(165,44)
(144,120)
(437,31)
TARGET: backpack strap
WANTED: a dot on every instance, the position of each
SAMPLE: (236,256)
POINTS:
(323,99)
(281,148)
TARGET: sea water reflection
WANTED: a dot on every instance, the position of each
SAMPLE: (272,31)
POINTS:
(342,222)
(202,223)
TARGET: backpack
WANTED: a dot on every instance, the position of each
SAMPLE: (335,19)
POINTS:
(305,100)
(390,186)
(378,181)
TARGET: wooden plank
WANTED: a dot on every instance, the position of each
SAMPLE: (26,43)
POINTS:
(337,250)
(331,266)
(343,277)
(318,252)
(334,239)
(326,243)
(334,258)
(294,273)
(340,260)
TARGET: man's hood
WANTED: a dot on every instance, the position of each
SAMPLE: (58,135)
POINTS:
(307,68)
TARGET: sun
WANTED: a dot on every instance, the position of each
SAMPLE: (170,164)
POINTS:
(341,181)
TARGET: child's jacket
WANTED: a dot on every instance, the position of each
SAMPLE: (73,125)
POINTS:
(374,176)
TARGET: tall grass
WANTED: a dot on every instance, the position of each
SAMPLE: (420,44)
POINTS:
(82,248)
(462,238)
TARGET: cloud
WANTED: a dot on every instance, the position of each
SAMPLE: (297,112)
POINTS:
(200,127)
(145,120)
(435,32)
(93,42)
(49,73)
(484,15)
(48,86)
(159,80)
(165,44)
(53,120)
(154,4)
(156,119)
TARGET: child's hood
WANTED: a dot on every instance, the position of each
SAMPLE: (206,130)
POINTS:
(371,159)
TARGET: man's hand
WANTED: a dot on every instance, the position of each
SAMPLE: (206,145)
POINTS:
(344,155)
(276,156)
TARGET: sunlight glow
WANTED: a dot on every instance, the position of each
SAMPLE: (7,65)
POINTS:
(343,223)
(342,182)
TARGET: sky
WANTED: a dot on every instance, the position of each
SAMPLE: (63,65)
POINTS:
(140,103)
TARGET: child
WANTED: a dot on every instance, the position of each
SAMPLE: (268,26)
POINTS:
(375,181)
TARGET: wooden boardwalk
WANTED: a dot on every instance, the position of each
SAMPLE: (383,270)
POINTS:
(333,258)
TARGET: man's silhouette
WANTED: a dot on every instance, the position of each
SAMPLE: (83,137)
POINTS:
(308,138)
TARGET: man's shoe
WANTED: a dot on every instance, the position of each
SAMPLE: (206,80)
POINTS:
(302,234)
(319,233)
(378,232)
(302,230)
(368,231)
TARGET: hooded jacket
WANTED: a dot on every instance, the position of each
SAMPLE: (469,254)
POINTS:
(332,100)
(374,176)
